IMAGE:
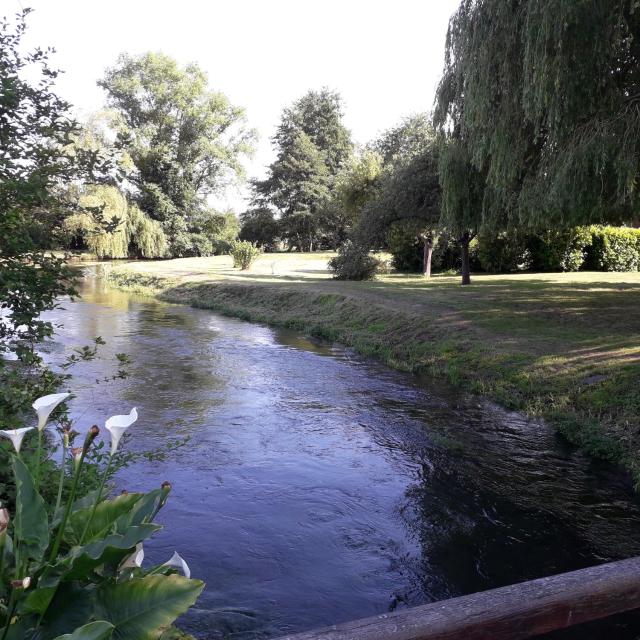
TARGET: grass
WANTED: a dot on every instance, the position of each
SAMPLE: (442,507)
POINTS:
(563,347)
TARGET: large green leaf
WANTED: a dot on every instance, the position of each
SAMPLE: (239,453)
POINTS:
(110,551)
(143,511)
(143,608)
(102,521)
(31,526)
(72,607)
(80,564)
(99,630)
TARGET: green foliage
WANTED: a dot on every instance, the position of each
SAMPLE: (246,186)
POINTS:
(593,248)
(70,572)
(129,233)
(312,146)
(185,141)
(354,262)
(505,252)
(244,253)
(406,197)
(544,95)
(403,245)
(260,227)
(36,132)
(559,249)
(614,249)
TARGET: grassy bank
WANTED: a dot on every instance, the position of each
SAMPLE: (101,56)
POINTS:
(564,347)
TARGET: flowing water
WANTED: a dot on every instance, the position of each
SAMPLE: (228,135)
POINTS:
(319,487)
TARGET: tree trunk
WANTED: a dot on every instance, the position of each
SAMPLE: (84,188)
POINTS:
(464,245)
(427,253)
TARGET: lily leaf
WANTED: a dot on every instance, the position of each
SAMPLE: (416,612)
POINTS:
(99,630)
(110,551)
(103,520)
(81,562)
(143,511)
(31,525)
(143,608)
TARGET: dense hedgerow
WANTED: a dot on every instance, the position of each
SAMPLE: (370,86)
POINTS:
(592,248)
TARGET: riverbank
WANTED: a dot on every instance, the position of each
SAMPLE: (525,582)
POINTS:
(563,347)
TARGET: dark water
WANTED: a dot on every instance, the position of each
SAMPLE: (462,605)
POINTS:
(319,487)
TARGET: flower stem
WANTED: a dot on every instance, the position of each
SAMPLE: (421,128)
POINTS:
(97,500)
(61,482)
(11,608)
(70,499)
(38,456)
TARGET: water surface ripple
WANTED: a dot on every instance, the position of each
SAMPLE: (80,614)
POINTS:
(319,487)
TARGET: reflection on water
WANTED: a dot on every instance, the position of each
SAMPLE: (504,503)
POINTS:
(318,487)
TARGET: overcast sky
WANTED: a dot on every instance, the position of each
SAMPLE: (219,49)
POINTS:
(384,57)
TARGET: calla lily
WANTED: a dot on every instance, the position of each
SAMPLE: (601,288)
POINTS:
(135,559)
(16,436)
(117,425)
(178,562)
(4,520)
(45,405)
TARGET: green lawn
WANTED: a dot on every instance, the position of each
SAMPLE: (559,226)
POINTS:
(561,346)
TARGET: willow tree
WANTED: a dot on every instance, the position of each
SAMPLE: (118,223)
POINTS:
(545,97)
(109,226)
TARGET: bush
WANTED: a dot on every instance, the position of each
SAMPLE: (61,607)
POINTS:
(404,246)
(354,262)
(505,252)
(244,253)
(559,250)
(613,249)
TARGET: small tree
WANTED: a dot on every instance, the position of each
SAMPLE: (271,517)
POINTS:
(244,255)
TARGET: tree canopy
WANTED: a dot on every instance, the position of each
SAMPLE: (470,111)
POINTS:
(185,141)
(312,146)
(544,95)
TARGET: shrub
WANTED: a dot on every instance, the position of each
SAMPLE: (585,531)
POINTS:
(613,249)
(505,252)
(354,262)
(559,250)
(404,246)
(76,567)
(244,253)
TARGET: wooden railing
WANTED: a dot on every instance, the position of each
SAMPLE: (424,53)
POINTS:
(510,613)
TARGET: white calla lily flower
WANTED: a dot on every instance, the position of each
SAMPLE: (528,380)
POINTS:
(135,559)
(117,425)
(178,562)
(45,405)
(16,436)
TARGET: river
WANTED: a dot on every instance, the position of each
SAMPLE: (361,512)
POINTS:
(319,487)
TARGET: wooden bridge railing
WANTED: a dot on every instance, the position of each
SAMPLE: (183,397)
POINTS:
(510,613)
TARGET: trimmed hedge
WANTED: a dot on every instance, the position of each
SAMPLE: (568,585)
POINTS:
(593,248)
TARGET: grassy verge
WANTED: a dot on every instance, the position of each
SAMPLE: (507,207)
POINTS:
(564,347)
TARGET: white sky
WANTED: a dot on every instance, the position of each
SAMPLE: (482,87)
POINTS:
(384,57)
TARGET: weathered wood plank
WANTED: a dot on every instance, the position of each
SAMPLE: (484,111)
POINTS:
(509,613)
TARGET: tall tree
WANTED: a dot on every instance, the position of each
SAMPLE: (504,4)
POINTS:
(185,141)
(406,190)
(312,146)
(545,96)
(36,159)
